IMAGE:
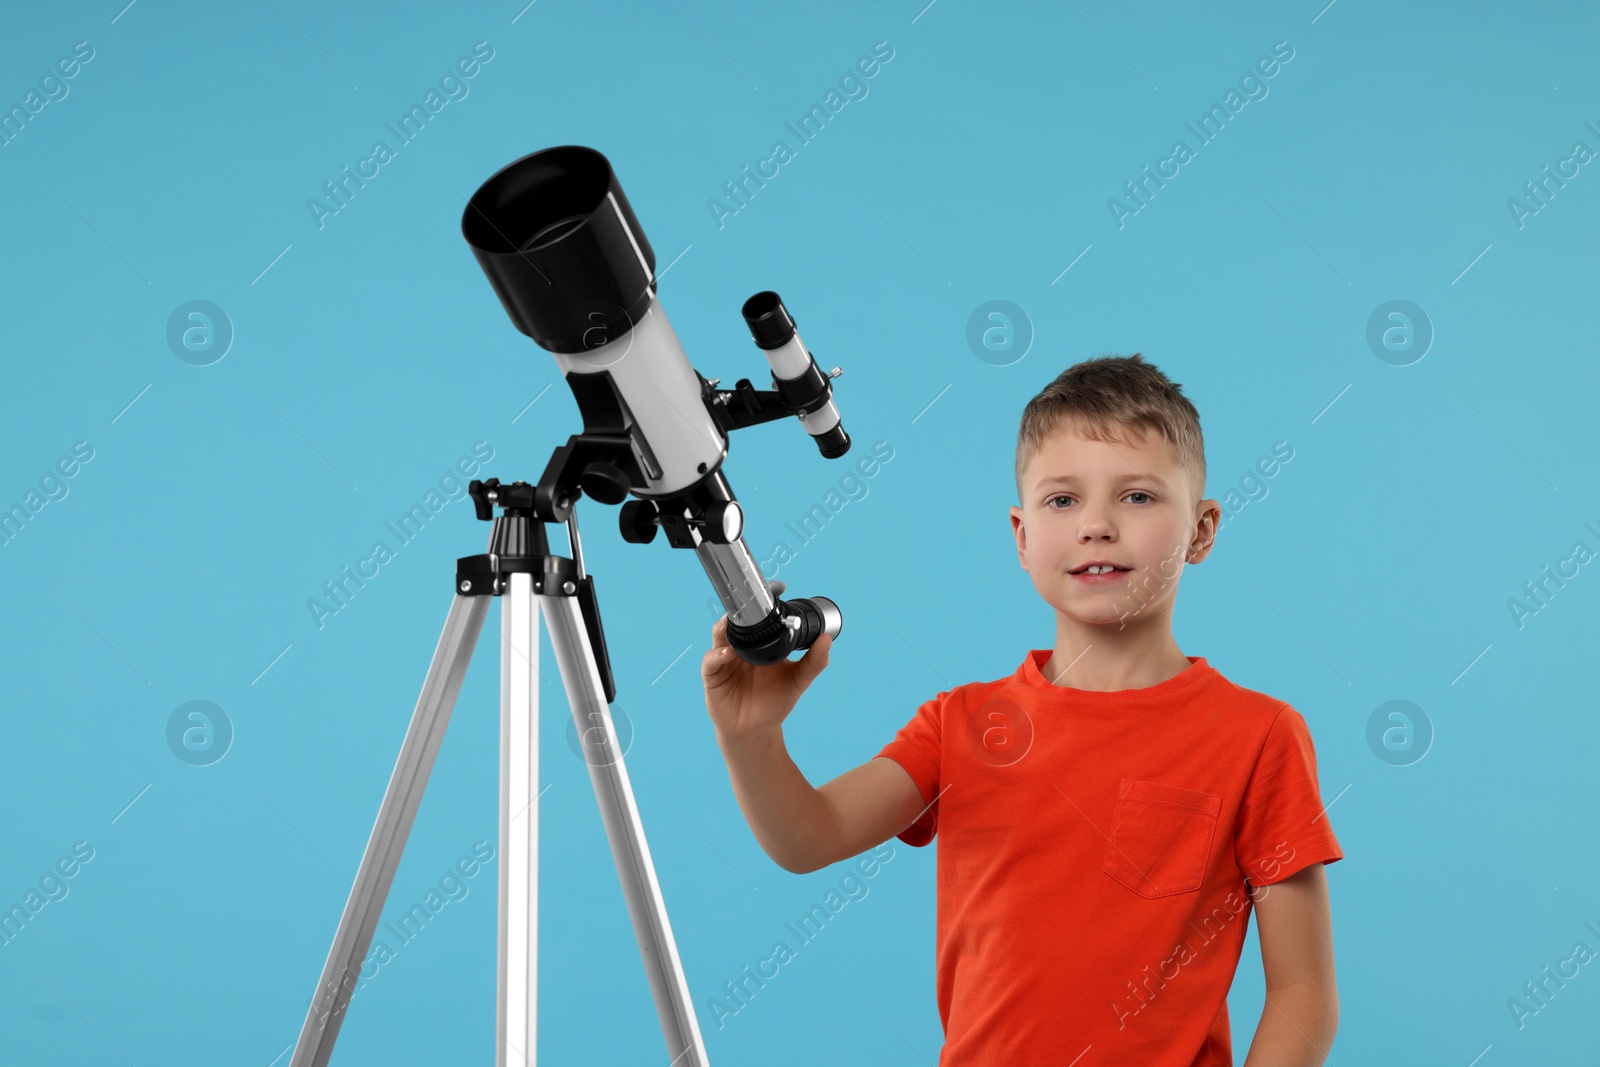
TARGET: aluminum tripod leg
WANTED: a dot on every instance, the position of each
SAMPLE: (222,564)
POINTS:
(569,638)
(378,864)
(517,984)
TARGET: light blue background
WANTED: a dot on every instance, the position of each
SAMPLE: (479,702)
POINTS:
(372,354)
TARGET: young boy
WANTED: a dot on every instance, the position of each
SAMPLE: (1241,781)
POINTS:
(1110,813)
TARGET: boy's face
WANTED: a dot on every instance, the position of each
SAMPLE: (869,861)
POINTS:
(1128,503)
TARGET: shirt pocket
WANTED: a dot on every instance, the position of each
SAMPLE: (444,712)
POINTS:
(1160,837)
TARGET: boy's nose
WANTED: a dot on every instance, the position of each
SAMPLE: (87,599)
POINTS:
(1096,528)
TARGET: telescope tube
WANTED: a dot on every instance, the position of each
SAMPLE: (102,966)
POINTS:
(564,252)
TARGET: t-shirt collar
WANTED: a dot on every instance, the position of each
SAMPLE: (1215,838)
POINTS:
(1032,673)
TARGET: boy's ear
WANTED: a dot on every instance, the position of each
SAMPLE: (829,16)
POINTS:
(1021,534)
(1208,517)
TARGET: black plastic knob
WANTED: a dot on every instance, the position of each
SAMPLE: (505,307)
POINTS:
(480,500)
(638,521)
(604,482)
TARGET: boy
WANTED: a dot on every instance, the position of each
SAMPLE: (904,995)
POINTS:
(1112,811)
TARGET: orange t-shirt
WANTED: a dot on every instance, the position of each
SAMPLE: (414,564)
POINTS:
(1096,848)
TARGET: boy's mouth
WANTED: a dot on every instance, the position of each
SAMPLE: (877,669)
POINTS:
(1100,573)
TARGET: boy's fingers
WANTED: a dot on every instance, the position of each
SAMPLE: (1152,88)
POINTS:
(719,632)
(816,658)
(716,663)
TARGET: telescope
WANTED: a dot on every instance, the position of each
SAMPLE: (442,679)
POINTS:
(574,270)
(562,249)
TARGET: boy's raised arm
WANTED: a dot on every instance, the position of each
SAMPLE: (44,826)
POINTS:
(800,827)
(871,803)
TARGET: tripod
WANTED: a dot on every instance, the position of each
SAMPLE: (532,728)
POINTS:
(562,249)
(518,568)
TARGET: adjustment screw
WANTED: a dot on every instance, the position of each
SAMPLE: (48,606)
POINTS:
(568,588)
(702,468)
(466,586)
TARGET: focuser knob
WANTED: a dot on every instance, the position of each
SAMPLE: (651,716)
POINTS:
(724,522)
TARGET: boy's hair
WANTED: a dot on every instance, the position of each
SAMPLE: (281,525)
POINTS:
(1107,399)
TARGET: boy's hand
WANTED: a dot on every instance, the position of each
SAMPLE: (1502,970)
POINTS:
(746,700)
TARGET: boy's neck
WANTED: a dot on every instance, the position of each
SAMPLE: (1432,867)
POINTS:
(1104,659)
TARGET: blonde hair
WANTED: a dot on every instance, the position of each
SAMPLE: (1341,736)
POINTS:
(1109,398)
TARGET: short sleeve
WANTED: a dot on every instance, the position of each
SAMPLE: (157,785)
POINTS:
(1282,827)
(916,747)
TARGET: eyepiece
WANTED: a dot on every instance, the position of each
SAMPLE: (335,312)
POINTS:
(829,620)
(833,443)
(790,625)
(562,248)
